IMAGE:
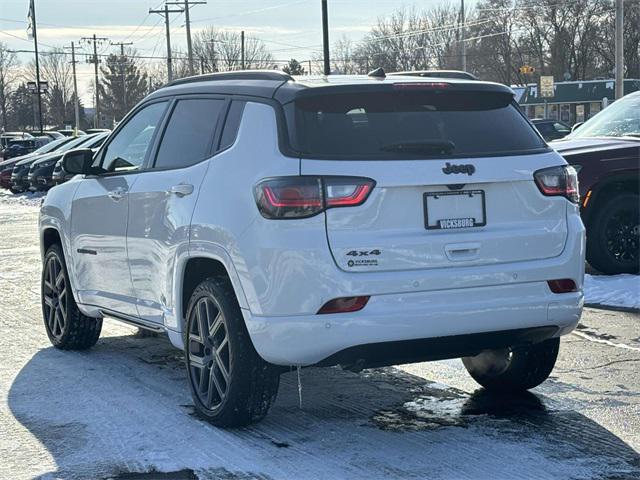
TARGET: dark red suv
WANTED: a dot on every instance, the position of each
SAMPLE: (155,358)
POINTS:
(606,152)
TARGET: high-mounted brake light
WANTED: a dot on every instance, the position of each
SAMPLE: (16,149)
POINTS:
(421,86)
(305,196)
(558,181)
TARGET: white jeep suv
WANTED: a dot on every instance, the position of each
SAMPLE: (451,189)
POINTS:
(265,222)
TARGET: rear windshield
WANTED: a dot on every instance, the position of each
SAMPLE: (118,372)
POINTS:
(409,124)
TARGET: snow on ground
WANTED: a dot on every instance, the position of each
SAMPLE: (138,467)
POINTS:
(613,291)
(27,198)
(124,407)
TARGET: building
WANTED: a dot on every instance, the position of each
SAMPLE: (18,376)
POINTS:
(574,101)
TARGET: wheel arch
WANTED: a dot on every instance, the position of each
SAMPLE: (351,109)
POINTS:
(51,236)
(608,187)
(195,269)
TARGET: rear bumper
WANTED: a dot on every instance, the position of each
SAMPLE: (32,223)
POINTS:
(312,339)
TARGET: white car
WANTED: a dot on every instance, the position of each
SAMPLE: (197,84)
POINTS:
(265,222)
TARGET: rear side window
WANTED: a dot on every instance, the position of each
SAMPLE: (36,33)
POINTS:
(189,134)
(409,124)
(232,124)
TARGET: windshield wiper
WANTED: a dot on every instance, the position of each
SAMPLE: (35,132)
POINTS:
(437,147)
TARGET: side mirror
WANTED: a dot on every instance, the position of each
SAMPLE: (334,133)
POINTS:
(576,126)
(78,161)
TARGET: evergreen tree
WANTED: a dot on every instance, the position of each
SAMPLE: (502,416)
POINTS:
(293,68)
(21,108)
(123,84)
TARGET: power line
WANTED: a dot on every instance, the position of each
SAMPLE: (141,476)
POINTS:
(187,4)
(95,40)
(165,12)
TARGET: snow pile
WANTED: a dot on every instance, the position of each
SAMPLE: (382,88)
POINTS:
(27,198)
(613,291)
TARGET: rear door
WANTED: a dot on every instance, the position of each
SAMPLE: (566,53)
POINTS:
(453,172)
(162,200)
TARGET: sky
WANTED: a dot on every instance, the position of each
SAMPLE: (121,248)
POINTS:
(290,28)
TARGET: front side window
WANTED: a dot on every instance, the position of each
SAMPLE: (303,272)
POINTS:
(130,145)
(409,124)
(189,134)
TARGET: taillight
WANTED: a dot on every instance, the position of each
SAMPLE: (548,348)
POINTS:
(305,196)
(558,181)
(344,305)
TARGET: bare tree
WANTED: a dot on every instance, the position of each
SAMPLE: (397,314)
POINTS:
(8,64)
(219,50)
(344,57)
(56,70)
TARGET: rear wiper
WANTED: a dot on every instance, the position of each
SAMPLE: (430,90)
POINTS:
(437,147)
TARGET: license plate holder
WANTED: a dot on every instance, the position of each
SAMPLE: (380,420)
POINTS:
(454,210)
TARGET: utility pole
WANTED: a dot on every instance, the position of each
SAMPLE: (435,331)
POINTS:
(619,49)
(242,50)
(122,74)
(186,4)
(95,40)
(325,38)
(34,32)
(76,105)
(165,11)
(463,44)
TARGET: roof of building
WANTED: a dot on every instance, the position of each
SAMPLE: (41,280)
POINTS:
(577,92)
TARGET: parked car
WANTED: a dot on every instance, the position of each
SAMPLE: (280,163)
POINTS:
(260,224)
(41,170)
(72,132)
(23,146)
(460,74)
(551,129)
(20,172)
(97,130)
(59,175)
(53,135)
(606,152)
(6,166)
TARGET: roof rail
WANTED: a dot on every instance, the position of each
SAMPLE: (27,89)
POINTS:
(274,75)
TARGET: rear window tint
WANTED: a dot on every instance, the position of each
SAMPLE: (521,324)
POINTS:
(409,124)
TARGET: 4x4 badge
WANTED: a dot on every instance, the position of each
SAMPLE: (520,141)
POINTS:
(449,169)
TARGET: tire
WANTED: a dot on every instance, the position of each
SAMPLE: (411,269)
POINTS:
(514,369)
(613,235)
(67,327)
(231,385)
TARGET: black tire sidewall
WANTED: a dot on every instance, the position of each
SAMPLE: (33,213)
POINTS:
(243,359)
(529,366)
(55,251)
(598,254)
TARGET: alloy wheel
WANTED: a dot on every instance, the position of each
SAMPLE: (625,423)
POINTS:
(622,234)
(55,297)
(209,354)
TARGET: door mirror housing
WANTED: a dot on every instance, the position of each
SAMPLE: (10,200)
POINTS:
(78,161)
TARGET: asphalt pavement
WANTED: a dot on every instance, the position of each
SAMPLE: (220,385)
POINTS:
(123,410)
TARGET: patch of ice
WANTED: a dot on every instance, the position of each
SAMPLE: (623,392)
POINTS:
(615,290)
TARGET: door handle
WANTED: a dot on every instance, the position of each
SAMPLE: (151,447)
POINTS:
(116,194)
(181,190)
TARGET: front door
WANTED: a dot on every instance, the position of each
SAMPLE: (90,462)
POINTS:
(162,201)
(99,215)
